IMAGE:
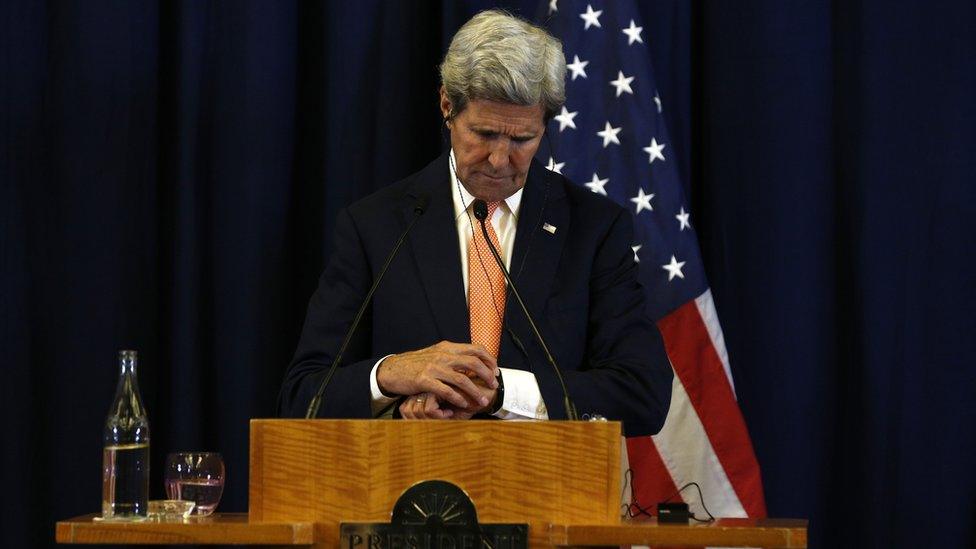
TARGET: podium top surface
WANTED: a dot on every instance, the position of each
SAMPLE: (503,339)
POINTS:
(236,528)
(723,532)
(219,528)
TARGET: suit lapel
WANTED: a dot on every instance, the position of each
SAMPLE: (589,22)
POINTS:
(536,254)
(435,246)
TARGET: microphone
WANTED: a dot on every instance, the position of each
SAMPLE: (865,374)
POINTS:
(313,407)
(481,213)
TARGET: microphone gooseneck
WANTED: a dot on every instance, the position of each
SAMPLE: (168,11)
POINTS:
(480,209)
(313,407)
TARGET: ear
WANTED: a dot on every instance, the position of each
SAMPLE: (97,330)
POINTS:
(445,104)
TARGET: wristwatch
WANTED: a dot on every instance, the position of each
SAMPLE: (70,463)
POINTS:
(499,395)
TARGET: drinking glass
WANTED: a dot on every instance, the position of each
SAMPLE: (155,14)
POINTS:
(196,477)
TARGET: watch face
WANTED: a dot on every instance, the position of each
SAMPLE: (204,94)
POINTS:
(434,502)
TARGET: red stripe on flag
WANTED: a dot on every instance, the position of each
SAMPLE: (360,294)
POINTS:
(700,370)
(652,480)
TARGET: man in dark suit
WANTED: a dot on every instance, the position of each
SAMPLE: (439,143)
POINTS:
(443,337)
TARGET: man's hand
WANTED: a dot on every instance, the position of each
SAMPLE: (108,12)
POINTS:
(427,406)
(424,406)
(491,393)
(445,371)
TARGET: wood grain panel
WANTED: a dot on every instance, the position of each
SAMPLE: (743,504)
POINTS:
(330,471)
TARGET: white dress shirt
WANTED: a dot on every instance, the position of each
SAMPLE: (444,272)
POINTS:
(522,400)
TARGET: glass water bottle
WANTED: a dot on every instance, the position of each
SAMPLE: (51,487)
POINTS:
(125,459)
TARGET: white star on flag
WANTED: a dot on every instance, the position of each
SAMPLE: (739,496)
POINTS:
(597,185)
(553,166)
(642,200)
(552,6)
(578,67)
(635,248)
(633,33)
(674,269)
(565,119)
(657,101)
(654,151)
(622,83)
(591,17)
(683,219)
(609,135)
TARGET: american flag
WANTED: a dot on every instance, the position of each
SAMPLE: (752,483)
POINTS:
(611,137)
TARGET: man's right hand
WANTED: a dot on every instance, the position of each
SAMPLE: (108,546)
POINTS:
(444,370)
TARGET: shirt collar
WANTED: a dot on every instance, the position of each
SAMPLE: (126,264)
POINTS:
(463,199)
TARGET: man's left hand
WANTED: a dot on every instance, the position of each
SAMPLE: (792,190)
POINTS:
(424,406)
(427,406)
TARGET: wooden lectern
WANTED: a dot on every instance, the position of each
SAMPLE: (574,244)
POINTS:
(333,471)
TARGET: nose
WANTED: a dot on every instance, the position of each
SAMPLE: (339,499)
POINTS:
(498,157)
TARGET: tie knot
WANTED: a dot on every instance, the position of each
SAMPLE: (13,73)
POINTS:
(492,206)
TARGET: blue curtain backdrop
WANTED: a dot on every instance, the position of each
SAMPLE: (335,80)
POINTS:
(170,172)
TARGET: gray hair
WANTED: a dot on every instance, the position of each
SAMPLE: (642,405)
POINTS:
(500,57)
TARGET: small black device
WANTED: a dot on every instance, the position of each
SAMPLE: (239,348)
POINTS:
(673,513)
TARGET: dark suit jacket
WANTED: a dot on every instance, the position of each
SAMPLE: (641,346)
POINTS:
(580,283)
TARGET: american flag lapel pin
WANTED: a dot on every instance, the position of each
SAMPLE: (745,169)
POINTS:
(549,228)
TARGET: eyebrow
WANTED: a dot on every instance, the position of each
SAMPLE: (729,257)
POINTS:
(486,129)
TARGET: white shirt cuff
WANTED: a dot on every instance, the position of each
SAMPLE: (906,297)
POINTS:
(378,401)
(522,400)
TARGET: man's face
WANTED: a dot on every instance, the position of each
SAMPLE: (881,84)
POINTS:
(493,145)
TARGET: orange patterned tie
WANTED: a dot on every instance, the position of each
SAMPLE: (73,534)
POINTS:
(486,287)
